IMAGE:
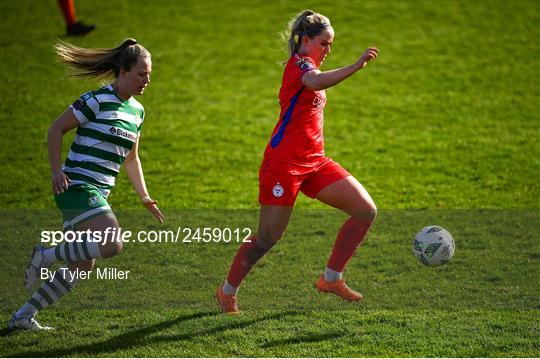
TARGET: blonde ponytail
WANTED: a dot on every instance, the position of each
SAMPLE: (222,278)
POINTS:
(100,63)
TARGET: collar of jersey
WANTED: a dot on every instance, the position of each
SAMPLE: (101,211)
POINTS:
(116,95)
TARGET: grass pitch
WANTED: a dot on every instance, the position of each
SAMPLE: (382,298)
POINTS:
(447,118)
(483,303)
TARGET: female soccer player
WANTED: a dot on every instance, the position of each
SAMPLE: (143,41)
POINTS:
(294,161)
(108,122)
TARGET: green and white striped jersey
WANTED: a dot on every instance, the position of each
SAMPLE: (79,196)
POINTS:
(109,127)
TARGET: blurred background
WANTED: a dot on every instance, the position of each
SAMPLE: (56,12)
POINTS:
(447,117)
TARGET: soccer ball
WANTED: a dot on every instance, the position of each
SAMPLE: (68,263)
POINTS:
(433,246)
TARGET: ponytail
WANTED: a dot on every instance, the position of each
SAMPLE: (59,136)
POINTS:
(306,23)
(100,63)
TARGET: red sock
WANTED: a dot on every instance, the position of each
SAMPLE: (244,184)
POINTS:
(349,238)
(68,10)
(248,254)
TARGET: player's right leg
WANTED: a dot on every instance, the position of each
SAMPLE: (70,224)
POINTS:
(278,189)
(272,223)
(49,293)
(79,256)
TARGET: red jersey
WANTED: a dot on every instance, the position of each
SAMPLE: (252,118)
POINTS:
(298,136)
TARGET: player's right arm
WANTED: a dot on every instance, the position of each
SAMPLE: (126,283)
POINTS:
(66,122)
(317,80)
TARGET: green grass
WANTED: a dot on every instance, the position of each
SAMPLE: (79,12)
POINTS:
(284,333)
(483,303)
(447,117)
(444,128)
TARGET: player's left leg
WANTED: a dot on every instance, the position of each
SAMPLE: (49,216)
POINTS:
(352,198)
(344,192)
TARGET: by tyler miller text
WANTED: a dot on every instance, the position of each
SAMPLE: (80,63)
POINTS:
(77,274)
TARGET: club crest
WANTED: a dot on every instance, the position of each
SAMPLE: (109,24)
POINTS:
(278,190)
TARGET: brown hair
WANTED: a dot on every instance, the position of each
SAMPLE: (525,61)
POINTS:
(99,63)
(306,23)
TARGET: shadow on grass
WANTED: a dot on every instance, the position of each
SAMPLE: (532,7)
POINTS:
(122,341)
(137,338)
(222,328)
(313,338)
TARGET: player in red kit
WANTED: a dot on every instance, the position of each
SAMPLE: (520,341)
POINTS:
(294,160)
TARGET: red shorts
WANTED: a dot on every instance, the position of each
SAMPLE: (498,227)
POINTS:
(279,182)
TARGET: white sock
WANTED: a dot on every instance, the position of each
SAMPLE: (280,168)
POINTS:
(49,257)
(331,275)
(26,311)
(229,289)
(73,251)
(93,249)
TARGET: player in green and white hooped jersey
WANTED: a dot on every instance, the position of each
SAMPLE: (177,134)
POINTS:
(108,123)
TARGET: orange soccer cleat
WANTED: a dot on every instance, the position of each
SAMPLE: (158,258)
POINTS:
(338,288)
(228,303)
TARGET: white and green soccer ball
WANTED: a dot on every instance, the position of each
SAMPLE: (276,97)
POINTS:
(433,246)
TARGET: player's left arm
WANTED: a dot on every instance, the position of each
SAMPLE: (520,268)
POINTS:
(134,171)
(317,80)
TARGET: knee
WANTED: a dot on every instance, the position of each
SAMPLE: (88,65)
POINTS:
(83,266)
(368,213)
(111,249)
(268,238)
(372,213)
